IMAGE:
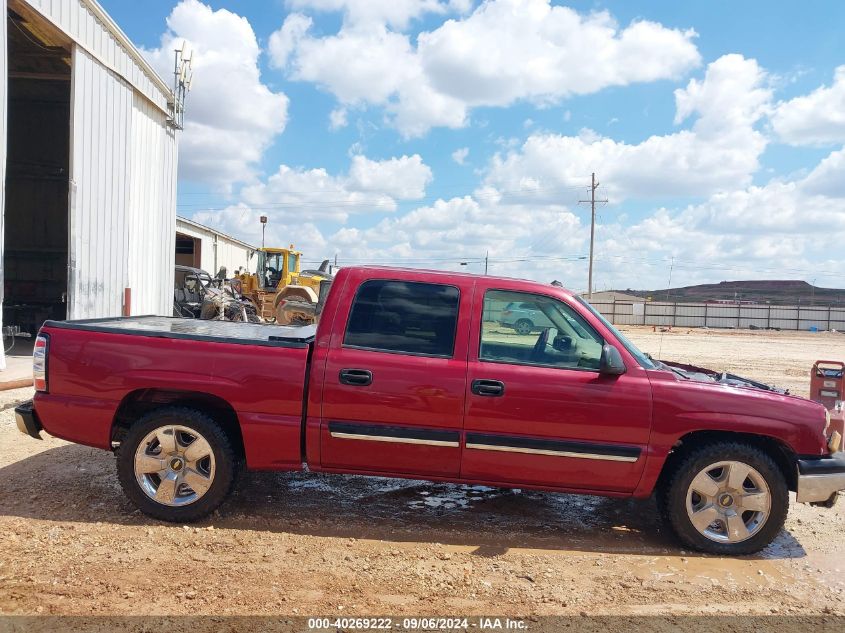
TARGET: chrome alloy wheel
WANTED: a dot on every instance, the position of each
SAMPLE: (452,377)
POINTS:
(728,502)
(174,465)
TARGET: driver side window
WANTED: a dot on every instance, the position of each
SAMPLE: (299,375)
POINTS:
(530,329)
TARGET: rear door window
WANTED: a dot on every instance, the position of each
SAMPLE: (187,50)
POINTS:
(404,317)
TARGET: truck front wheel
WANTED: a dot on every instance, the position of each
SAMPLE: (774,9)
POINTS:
(176,464)
(726,498)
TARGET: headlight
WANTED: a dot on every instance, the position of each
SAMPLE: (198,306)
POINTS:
(834,440)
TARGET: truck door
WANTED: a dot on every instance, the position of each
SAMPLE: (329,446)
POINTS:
(395,378)
(538,410)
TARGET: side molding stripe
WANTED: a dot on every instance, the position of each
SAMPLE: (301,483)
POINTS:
(394,434)
(554,448)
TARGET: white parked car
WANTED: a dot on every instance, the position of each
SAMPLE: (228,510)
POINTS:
(524,318)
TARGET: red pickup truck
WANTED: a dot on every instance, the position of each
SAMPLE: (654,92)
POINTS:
(408,374)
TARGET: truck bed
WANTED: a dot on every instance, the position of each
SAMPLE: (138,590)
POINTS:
(196,329)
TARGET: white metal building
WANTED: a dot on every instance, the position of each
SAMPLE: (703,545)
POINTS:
(203,247)
(89,166)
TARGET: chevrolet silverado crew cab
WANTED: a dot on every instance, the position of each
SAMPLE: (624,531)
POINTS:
(410,374)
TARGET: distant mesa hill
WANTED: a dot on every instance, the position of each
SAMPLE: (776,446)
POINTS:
(766,291)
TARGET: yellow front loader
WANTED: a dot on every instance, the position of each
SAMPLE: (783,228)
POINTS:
(281,291)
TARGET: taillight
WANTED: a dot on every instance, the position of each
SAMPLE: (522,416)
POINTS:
(39,362)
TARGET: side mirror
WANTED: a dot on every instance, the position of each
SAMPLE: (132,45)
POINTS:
(611,363)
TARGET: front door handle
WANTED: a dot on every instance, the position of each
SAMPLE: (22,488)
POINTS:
(492,388)
(356,377)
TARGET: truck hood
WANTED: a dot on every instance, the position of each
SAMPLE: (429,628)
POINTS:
(701,374)
(720,401)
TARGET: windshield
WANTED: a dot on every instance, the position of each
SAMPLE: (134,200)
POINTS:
(642,359)
(270,268)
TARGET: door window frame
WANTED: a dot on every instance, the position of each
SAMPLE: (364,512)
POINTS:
(449,356)
(524,363)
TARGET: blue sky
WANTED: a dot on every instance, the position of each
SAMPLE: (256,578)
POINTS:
(429,132)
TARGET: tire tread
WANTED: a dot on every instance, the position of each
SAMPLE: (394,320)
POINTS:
(674,513)
(226,464)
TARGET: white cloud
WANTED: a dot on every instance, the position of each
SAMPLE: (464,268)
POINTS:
(371,186)
(460,155)
(447,232)
(338,119)
(231,116)
(243,221)
(814,119)
(404,178)
(283,42)
(356,66)
(779,230)
(719,152)
(297,200)
(828,178)
(527,49)
(394,13)
(773,231)
(503,52)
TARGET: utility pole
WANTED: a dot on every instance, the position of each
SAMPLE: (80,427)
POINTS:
(593,186)
(669,287)
(486,259)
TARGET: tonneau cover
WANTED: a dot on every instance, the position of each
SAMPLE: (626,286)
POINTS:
(196,329)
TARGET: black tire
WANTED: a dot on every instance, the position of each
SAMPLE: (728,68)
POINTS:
(523,326)
(672,499)
(293,310)
(225,464)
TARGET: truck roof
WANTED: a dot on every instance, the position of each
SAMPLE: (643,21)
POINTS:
(410,273)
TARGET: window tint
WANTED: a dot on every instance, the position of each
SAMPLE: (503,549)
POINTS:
(405,317)
(558,337)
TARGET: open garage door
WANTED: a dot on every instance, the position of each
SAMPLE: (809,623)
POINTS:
(35,255)
(188,251)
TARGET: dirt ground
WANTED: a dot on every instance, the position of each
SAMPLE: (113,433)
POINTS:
(304,544)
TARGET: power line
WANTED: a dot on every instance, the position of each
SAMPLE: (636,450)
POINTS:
(385,201)
(674,262)
(462,187)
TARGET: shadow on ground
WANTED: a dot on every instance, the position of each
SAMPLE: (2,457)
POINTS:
(78,484)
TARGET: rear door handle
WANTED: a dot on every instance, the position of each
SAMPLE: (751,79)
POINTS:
(492,388)
(356,377)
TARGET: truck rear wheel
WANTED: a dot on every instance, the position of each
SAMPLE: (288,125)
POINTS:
(176,464)
(726,498)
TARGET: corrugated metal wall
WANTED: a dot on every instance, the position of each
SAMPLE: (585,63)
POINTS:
(99,189)
(3,83)
(86,23)
(152,209)
(718,315)
(122,197)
